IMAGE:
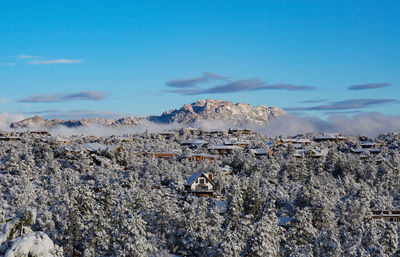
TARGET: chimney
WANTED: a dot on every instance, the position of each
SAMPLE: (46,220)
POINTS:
(210,176)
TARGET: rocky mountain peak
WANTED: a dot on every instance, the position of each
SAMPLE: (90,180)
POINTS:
(201,110)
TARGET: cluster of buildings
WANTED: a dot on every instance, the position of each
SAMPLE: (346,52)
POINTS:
(202,146)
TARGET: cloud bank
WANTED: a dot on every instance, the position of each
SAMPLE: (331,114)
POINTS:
(6,119)
(369,86)
(191,86)
(369,124)
(64,97)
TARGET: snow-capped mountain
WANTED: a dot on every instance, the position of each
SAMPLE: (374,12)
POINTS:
(238,113)
(202,110)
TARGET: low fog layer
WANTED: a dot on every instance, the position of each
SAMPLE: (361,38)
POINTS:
(369,124)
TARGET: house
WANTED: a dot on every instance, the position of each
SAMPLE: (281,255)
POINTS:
(58,139)
(369,144)
(318,153)
(312,153)
(200,184)
(240,131)
(223,149)
(304,141)
(284,141)
(261,151)
(227,170)
(244,144)
(330,137)
(10,138)
(387,215)
(365,150)
(40,132)
(164,155)
(168,134)
(200,156)
(218,132)
(197,143)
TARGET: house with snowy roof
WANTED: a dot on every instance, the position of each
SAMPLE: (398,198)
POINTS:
(311,153)
(244,144)
(369,144)
(227,170)
(168,134)
(200,157)
(200,184)
(330,137)
(223,149)
(10,138)
(365,150)
(240,131)
(195,143)
(387,215)
(261,151)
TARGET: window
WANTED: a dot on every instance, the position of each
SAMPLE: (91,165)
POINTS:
(201,181)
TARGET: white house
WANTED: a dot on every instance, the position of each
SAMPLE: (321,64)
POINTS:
(200,184)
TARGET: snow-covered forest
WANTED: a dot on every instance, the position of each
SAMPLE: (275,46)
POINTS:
(118,196)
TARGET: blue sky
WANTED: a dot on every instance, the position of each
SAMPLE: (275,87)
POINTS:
(320,58)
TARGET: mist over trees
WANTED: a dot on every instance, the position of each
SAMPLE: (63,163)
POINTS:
(120,200)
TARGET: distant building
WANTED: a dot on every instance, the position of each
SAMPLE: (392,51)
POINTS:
(312,153)
(369,144)
(200,156)
(223,149)
(244,144)
(261,151)
(227,170)
(330,137)
(164,155)
(196,143)
(240,131)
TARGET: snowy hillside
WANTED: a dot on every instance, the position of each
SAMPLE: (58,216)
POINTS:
(310,195)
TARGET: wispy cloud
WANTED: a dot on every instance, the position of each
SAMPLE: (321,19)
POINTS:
(190,86)
(313,101)
(57,61)
(193,82)
(369,86)
(345,105)
(7,118)
(64,97)
(75,114)
(8,64)
(24,56)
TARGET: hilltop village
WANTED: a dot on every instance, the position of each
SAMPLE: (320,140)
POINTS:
(195,192)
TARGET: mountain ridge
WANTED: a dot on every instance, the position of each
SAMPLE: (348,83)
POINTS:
(201,110)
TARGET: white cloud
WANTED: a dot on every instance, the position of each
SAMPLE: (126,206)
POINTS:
(57,61)
(6,119)
(24,56)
